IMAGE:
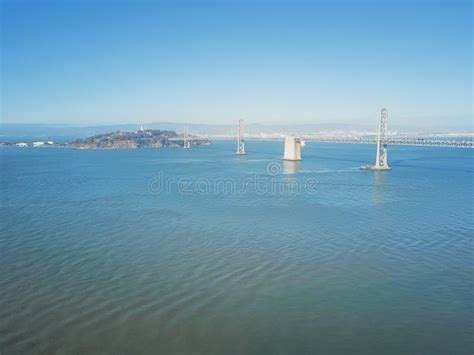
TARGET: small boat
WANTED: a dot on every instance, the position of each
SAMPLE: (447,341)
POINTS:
(365,167)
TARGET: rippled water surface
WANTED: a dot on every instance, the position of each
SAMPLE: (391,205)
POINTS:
(92,261)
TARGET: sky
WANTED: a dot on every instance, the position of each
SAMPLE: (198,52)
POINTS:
(109,62)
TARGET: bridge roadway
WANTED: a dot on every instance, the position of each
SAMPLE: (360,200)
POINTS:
(464,142)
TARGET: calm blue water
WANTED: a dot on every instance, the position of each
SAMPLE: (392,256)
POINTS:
(92,261)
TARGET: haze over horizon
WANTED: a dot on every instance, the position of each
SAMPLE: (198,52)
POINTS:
(103,63)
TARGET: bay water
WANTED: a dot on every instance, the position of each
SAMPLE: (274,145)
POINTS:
(172,251)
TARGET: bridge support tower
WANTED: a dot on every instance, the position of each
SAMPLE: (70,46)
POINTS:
(186,142)
(381,159)
(240,140)
(292,148)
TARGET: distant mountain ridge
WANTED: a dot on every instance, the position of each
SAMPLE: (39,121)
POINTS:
(68,133)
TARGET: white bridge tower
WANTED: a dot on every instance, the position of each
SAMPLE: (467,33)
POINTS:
(381,160)
(186,142)
(240,140)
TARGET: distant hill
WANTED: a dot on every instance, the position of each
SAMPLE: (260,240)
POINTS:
(149,138)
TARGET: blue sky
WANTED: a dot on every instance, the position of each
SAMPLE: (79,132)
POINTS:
(102,62)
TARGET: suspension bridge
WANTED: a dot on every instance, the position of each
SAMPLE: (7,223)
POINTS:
(426,141)
(293,144)
(411,141)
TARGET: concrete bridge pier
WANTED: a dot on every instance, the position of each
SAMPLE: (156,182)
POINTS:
(292,148)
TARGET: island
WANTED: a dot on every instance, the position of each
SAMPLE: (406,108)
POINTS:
(147,138)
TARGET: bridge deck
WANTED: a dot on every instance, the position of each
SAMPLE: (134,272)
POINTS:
(421,142)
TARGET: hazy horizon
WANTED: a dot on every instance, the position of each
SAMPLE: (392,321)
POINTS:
(443,123)
(14,131)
